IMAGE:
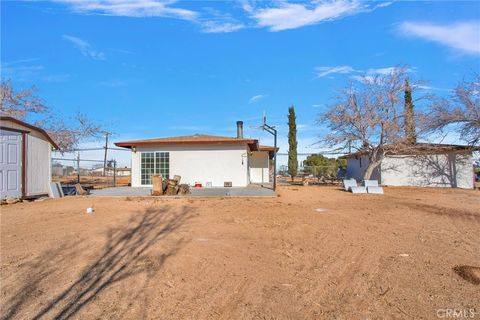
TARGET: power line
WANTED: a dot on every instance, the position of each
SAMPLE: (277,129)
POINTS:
(96,149)
(63,159)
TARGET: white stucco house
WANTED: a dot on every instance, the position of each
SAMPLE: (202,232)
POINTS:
(210,160)
(25,159)
(424,165)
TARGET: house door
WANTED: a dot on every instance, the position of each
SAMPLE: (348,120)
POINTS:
(10,164)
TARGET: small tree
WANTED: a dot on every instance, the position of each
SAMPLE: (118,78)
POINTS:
(410,128)
(462,110)
(368,117)
(321,166)
(292,143)
(22,104)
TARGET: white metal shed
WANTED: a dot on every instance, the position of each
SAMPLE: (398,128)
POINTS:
(25,159)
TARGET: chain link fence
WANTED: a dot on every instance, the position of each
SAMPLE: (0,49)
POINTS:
(91,173)
(331,174)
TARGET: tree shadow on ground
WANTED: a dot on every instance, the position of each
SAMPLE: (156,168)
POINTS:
(454,213)
(123,251)
(34,273)
(468,273)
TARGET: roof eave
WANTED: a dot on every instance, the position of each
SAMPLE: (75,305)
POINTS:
(42,131)
(253,144)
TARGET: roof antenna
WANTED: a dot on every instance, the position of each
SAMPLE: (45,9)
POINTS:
(273,132)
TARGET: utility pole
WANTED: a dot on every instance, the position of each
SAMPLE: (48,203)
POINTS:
(105,156)
(272,131)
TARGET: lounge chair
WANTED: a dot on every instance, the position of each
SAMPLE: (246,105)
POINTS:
(372,186)
(351,185)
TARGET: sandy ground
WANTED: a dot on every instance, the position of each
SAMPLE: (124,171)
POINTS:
(311,253)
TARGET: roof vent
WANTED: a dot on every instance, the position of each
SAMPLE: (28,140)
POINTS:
(239,129)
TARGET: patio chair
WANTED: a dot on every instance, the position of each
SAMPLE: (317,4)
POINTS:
(372,186)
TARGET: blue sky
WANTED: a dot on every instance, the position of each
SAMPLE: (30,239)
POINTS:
(162,68)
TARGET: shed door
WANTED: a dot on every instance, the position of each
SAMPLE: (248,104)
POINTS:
(10,164)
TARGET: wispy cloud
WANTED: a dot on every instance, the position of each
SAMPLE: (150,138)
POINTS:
(209,20)
(382,71)
(358,74)
(431,88)
(363,78)
(325,71)
(294,15)
(131,8)
(369,74)
(20,70)
(256,98)
(278,16)
(460,36)
(220,27)
(85,48)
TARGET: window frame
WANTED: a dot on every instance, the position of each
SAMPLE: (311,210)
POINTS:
(152,163)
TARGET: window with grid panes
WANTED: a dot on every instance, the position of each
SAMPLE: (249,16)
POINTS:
(154,163)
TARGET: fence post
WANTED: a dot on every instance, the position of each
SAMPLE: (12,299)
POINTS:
(78,167)
(114,173)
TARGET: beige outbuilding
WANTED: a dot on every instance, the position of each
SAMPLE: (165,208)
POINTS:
(420,165)
(25,159)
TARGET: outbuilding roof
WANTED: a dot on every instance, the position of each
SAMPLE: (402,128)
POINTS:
(419,148)
(29,126)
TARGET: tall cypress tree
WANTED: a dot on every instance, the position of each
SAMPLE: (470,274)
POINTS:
(410,132)
(292,143)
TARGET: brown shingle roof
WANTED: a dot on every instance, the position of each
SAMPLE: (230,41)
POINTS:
(193,139)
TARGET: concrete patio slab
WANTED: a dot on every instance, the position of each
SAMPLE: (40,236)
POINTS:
(121,192)
(253,191)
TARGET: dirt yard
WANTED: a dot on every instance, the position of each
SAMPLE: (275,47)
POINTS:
(311,253)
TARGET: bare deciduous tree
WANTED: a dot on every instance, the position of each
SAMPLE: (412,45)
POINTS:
(69,136)
(21,104)
(463,110)
(369,117)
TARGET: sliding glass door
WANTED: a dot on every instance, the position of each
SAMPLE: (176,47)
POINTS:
(154,163)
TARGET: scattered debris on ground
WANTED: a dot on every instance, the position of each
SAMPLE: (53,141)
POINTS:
(10,200)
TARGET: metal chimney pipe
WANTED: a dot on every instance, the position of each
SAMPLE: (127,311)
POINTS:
(239,129)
